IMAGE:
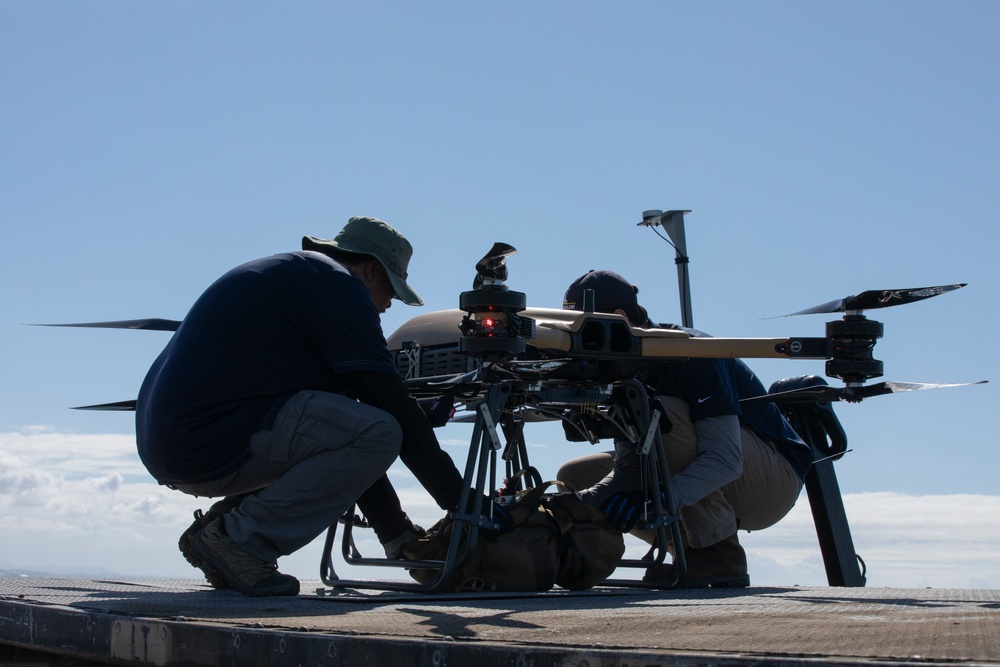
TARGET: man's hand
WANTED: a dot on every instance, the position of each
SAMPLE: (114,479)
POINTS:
(394,547)
(623,509)
(439,409)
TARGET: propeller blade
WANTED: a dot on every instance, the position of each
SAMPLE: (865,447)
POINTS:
(898,387)
(877,299)
(120,406)
(881,388)
(150,324)
(828,394)
(821,393)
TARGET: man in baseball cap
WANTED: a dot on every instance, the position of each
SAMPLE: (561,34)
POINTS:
(734,465)
(612,294)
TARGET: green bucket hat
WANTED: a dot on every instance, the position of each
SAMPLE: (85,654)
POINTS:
(364,235)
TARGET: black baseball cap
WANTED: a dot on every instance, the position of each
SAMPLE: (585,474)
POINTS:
(611,292)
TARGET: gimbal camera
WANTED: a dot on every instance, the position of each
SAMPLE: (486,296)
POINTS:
(492,328)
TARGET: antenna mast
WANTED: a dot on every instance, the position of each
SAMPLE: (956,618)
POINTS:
(672,223)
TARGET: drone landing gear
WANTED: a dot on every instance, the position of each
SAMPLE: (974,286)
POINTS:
(480,478)
(817,424)
(481,459)
(661,517)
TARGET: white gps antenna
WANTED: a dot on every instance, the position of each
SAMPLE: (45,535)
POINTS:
(672,223)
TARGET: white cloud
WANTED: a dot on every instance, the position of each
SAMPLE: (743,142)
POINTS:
(943,541)
(85,501)
(24,485)
(73,455)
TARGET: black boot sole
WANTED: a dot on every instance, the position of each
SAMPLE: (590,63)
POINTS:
(280,584)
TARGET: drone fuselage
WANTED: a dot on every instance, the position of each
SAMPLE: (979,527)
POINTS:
(429,345)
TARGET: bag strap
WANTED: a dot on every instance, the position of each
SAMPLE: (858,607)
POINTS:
(533,496)
(531,472)
(530,498)
(566,487)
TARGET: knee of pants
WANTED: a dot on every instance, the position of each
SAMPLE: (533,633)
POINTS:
(384,435)
(569,473)
(586,471)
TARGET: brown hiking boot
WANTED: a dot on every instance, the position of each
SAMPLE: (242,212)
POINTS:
(721,565)
(239,569)
(201,519)
(212,575)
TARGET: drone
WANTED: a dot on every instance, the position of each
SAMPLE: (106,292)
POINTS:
(494,326)
(506,364)
(494,333)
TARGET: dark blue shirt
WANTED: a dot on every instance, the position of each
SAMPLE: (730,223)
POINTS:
(714,387)
(262,332)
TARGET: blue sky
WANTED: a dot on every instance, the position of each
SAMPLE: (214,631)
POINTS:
(823,149)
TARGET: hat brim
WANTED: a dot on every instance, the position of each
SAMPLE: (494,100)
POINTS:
(403,291)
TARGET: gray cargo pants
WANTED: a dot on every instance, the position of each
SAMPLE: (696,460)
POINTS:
(323,451)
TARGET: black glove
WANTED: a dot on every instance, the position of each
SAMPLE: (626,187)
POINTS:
(623,509)
(438,409)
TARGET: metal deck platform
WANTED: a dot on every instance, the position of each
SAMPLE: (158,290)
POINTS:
(183,622)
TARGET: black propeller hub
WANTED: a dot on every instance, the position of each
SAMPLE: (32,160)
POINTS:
(852,341)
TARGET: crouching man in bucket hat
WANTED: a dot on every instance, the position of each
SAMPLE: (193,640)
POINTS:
(278,393)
